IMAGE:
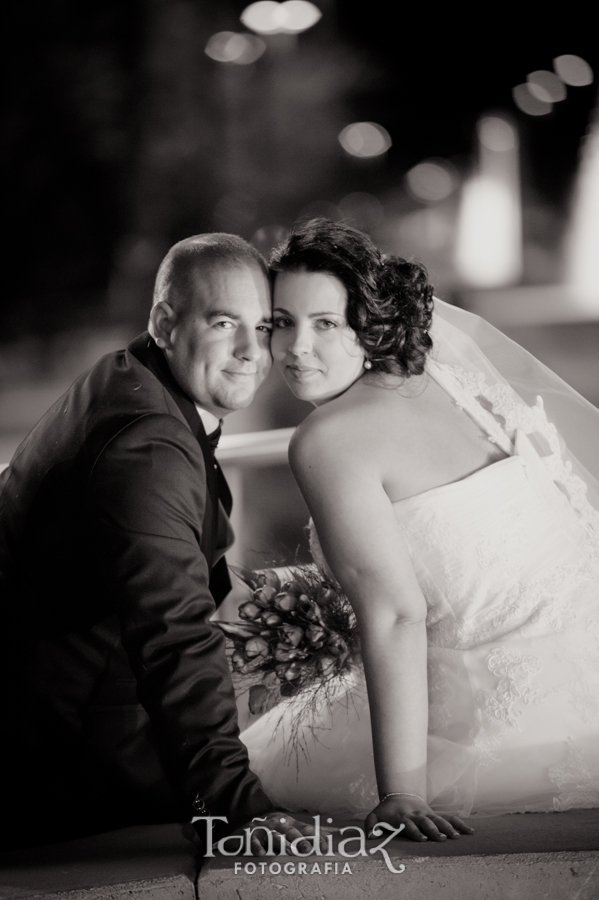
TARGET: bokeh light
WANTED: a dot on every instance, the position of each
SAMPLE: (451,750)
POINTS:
(573,70)
(528,103)
(263,17)
(365,139)
(582,258)
(431,181)
(496,134)
(546,86)
(488,250)
(290,17)
(299,15)
(229,47)
(267,237)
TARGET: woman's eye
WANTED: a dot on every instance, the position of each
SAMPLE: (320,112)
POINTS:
(282,322)
(326,324)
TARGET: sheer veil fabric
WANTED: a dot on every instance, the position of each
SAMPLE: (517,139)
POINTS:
(561,425)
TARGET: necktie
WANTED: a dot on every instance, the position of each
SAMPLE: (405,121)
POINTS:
(214,438)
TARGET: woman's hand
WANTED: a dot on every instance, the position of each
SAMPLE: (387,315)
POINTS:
(421,822)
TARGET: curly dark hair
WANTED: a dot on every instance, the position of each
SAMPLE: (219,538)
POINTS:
(389,300)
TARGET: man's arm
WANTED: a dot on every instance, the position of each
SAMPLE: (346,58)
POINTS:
(146,498)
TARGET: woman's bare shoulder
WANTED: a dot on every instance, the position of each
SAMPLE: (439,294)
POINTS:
(346,428)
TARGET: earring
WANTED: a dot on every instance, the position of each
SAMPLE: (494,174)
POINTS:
(367,364)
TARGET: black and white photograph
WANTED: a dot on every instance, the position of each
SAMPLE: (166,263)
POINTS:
(299,451)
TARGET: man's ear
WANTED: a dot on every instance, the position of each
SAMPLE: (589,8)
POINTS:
(161,324)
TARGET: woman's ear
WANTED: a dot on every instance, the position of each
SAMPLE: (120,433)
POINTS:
(161,324)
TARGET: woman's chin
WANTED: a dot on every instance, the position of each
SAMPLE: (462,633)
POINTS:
(304,393)
(311,394)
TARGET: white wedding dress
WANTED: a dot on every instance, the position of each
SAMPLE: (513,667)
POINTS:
(508,561)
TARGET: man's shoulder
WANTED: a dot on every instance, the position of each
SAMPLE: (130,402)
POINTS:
(115,394)
(122,380)
(122,393)
(121,387)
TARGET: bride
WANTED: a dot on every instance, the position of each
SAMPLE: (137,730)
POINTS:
(446,507)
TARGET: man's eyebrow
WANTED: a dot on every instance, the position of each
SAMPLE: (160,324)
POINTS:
(218,313)
(215,313)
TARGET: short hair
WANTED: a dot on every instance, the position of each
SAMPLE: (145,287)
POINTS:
(196,253)
(389,300)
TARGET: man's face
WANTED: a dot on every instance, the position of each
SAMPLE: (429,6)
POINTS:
(219,349)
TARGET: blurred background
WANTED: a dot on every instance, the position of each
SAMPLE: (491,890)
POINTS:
(467,141)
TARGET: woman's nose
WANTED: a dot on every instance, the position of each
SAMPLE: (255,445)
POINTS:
(300,342)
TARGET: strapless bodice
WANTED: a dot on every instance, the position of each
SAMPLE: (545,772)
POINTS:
(492,550)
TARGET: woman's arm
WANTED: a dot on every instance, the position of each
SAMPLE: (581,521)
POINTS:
(340,475)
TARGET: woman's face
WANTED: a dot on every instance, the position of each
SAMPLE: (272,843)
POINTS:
(312,344)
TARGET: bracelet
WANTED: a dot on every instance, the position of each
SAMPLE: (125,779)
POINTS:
(401,794)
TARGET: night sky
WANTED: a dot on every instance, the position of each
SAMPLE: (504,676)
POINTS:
(76,93)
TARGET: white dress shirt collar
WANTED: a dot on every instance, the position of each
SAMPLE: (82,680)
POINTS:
(209,420)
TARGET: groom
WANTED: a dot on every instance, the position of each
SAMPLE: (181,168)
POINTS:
(116,694)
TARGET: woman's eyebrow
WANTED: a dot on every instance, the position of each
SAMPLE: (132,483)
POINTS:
(325,312)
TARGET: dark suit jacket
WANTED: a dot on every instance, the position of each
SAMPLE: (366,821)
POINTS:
(116,693)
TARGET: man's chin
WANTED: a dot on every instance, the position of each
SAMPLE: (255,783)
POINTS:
(237,400)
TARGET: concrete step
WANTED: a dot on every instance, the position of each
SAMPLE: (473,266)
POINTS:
(149,862)
(532,856)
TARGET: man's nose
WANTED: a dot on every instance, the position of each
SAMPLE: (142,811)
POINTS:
(250,344)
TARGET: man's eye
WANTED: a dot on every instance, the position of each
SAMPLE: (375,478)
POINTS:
(225,323)
(265,328)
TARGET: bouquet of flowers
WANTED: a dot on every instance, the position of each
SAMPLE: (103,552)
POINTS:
(291,636)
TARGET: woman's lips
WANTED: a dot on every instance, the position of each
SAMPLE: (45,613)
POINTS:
(302,373)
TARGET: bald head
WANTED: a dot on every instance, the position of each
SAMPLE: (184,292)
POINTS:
(198,256)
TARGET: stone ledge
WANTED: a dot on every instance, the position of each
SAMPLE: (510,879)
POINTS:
(177,888)
(536,856)
(543,876)
(149,862)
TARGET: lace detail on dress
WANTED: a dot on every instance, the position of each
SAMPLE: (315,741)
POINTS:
(364,792)
(435,532)
(573,779)
(532,609)
(506,550)
(440,696)
(501,707)
(542,606)
(466,387)
(530,420)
